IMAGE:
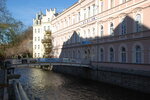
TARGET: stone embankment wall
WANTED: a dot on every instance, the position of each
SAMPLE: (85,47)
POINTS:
(128,79)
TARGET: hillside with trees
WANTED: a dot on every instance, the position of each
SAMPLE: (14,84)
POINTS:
(13,40)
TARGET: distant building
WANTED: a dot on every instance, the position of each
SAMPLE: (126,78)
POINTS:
(41,24)
(101,31)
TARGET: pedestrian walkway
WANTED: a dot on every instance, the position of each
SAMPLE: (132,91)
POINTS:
(1,83)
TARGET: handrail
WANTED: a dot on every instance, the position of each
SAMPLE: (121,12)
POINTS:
(22,92)
(16,91)
(19,91)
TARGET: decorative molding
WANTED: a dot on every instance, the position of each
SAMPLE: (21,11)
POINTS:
(138,9)
(110,19)
(122,15)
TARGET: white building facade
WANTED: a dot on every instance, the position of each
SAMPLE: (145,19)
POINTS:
(41,24)
(101,31)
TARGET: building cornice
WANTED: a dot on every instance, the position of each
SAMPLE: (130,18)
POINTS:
(68,9)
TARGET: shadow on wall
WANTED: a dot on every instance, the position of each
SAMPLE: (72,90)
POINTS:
(86,46)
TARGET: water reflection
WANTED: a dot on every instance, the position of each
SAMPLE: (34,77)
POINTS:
(47,85)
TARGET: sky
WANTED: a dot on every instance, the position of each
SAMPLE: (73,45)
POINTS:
(25,10)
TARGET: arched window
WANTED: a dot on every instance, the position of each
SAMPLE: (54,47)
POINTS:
(123,27)
(111,28)
(101,30)
(123,55)
(111,51)
(138,23)
(101,55)
(138,54)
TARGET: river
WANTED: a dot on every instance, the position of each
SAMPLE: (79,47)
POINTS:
(47,85)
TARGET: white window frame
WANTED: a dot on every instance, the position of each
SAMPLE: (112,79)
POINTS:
(101,30)
(111,29)
(101,55)
(138,27)
(123,54)
(111,55)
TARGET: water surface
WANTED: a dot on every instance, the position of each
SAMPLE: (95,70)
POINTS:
(47,85)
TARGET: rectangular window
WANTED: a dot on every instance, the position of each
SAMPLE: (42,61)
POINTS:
(84,13)
(78,16)
(38,30)
(35,55)
(94,9)
(111,3)
(38,38)
(35,38)
(38,46)
(35,47)
(89,11)
(101,6)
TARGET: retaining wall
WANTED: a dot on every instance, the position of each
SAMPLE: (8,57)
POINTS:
(119,77)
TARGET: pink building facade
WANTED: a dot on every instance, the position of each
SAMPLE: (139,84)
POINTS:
(104,31)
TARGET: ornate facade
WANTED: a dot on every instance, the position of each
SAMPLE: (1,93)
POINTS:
(101,31)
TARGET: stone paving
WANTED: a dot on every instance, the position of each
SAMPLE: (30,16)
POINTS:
(1,82)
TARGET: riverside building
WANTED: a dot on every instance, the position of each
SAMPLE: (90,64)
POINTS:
(106,32)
